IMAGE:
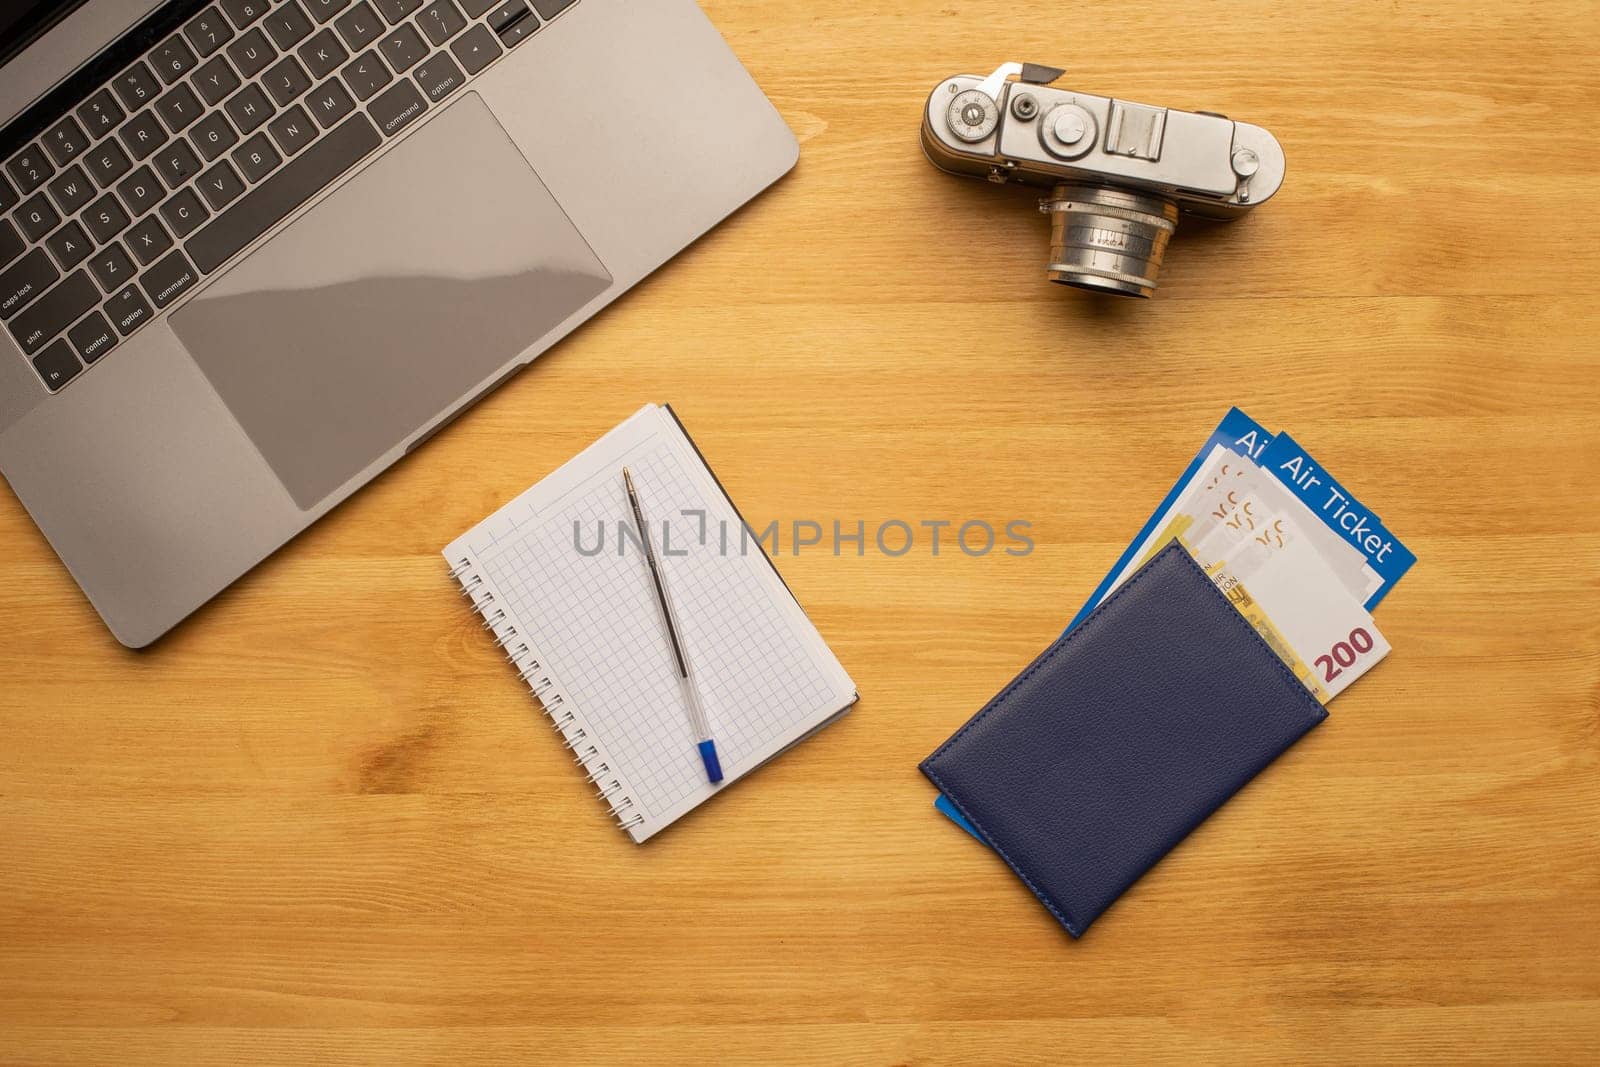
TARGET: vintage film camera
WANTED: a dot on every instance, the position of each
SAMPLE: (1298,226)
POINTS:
(1119,172)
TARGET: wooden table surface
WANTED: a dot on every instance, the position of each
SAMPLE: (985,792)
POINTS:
(321,822)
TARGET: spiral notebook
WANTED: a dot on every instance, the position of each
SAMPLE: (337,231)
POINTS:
(560,582)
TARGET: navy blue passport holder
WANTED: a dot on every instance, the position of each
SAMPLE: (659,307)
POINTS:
(1122,737)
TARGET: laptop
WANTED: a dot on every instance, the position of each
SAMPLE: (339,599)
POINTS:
(252,252)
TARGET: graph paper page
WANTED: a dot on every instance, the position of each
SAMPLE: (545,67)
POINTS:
(563,561)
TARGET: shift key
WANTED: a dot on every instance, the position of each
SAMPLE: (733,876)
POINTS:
(54,312)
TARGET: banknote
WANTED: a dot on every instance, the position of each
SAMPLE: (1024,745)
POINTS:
(1255,501)
(1237,433)
(1283,587)
(1222,470)
(1230,497)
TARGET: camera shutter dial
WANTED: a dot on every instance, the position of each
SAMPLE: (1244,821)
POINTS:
(973,115)
(1068,131)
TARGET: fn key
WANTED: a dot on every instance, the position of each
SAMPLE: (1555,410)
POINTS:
(57,365)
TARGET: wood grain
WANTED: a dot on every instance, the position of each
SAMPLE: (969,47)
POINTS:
(320,822)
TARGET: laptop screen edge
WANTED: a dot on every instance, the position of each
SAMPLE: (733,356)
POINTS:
(73,33)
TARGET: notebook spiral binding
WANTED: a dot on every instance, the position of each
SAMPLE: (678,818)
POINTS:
(574,735)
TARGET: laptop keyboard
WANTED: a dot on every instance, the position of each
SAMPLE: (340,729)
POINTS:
(161,175)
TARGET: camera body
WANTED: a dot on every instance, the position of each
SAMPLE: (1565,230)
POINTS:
(1119,172)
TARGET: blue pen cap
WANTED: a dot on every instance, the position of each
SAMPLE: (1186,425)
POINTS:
(708,755)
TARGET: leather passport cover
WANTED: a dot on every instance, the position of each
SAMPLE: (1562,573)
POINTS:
(1122,737)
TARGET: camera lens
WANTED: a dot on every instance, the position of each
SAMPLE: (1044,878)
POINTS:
(1108,240)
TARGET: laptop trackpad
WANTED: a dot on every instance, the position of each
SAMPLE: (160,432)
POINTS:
(431,270)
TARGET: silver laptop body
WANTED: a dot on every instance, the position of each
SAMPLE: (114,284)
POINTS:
(453,191)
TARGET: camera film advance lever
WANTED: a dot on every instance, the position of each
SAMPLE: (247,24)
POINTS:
(1119,172)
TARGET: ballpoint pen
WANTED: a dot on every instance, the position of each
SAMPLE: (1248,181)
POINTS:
(691,692)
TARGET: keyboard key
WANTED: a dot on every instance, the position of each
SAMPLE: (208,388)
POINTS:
(249,108)
(323,10)
(474,8)
(128,309)
(549,9)
(244,12)
(11,242)
(395,109)
(184,213)
(136,86)
(92,338)
(220,186)
(441,20)
(251,53)
(329,103)
(169,279)
(274,199)
(71,190)
(8,195)
(518,31)
(256,158)
(213,135)
(403,47)
(507,15)
(286,81)
(143,134)
(141,191)
(147,240)
(438,76)
(111,267)
(215,79)
(30,169)
(107,163)
(54,312)
(179,108)
(323,54)
(366,75)
(37,217)
(359,26)
(176,163)
(100,113)
(24,280)
(70,245)
(476,49)
(208,31)
(65,140)
(288,26)
(57,365)
(106,218)
(292,130)
(396,10)
(172,58)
